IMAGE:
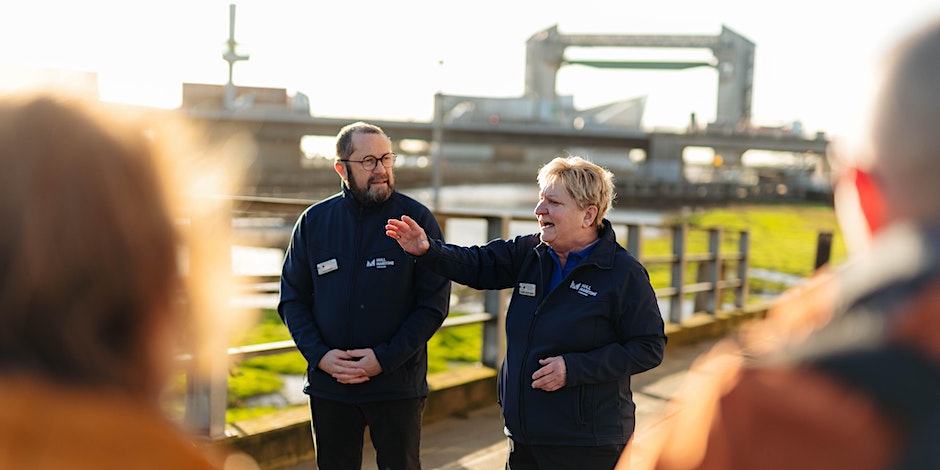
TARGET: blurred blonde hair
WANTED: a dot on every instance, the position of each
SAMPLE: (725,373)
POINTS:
(586,182)
(90,239)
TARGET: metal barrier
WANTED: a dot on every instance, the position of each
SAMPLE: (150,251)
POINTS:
(206,398)
(712,279)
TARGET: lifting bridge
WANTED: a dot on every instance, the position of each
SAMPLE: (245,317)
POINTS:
(733,59)
(541,118)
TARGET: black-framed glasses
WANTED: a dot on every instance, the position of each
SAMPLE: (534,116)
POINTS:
(368,163)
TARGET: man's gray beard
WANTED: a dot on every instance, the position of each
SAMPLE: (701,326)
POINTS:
(369,197)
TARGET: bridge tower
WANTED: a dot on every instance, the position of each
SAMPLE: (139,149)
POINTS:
(733,59)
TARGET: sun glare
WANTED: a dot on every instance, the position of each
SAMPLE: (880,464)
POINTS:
(154,92)
(25,79)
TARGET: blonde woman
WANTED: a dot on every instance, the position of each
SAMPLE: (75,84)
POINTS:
(582,320)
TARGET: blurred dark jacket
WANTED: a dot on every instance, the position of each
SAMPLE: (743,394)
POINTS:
(843,374)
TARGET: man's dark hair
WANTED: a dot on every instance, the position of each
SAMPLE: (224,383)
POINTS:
(344,145)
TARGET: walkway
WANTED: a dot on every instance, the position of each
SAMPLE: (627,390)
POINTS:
(476,442)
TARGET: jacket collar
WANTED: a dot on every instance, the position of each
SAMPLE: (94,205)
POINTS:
(603,253)
(902,259)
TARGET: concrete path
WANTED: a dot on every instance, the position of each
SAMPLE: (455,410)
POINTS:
(476,442)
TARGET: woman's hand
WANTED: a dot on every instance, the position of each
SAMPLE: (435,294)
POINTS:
(552,376)
(408,234)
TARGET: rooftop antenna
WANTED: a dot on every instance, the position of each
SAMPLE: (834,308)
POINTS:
(231,57)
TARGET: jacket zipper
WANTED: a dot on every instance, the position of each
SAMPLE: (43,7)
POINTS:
(525,356)
(350,307)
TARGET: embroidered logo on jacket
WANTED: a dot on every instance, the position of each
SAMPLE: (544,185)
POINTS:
(583,289)
(380,263)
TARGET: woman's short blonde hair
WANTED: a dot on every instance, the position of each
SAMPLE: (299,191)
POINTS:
(586,182)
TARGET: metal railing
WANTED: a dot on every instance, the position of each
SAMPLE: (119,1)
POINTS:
(206,398)
(712,279)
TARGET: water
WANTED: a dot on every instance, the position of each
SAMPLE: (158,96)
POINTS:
(788,280)
(515,199)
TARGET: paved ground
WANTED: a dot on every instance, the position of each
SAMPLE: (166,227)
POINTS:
(477,442)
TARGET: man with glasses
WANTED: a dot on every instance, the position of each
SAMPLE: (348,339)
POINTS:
(361,311)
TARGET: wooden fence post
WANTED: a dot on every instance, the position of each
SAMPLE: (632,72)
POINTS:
(208,299)
(823,249)
(678,273)
(744,243)
(634,237)
(710,272)
(494,341)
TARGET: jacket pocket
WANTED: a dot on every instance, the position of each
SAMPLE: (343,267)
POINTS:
(586,404)
(580,411)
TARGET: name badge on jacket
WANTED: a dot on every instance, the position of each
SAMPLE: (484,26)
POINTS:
(327,266)
(527,289)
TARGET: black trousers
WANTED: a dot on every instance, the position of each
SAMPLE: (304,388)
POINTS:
(523,457)
(394,426)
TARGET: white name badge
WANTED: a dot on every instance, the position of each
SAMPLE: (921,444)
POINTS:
(527,289)
(327,266)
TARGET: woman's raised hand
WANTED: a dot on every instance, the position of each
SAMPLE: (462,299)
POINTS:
(409,235)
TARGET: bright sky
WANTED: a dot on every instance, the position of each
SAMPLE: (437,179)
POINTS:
(386,59)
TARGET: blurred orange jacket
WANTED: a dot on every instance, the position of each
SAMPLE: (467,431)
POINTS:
(50,426)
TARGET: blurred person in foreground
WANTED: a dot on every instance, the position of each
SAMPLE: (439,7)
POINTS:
(582,320)
(845,371)
(361,311)
(90,291)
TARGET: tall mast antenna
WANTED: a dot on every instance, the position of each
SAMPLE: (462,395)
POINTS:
(231,57)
